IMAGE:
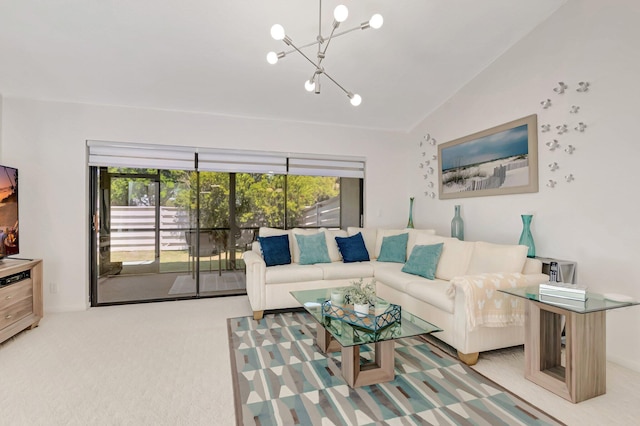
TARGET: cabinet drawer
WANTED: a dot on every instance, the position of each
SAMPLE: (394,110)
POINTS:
(15,291)
(16,302)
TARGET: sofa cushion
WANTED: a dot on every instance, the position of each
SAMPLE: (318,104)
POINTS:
(369,236)
(489,258)
(341,271)
(394,248)
(295,251)
(332,245)
(313,249)
(424,260)
(275,250)
(391,275)
(433,292)
(455,257)
(353,248)
(293,273)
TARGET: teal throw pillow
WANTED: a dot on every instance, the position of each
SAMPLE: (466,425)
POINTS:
(313,249)
(352,248)
(275,250)
(423,261)
(394,248)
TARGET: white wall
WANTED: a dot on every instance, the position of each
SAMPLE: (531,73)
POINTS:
(592,220)
(46,141)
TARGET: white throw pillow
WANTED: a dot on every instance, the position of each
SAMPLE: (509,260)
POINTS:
(489,258)
(455,257)
(270,232)
(332,245)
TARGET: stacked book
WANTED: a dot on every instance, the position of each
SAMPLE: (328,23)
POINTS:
(563,294)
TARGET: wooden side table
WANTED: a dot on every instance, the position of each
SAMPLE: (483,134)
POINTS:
(584,374)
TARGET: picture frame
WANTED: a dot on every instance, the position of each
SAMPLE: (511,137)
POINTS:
(497,161)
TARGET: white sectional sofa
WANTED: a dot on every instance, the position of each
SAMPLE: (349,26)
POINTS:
(449,300)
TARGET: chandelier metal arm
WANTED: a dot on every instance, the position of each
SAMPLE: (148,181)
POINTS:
(313,43)
(289,42)
(317,67)
(336,83)
(322,54)
(296,49)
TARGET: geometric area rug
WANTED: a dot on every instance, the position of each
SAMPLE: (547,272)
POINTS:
(280,377)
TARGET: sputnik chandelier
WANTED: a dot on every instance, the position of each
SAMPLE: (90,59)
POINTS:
(340,14)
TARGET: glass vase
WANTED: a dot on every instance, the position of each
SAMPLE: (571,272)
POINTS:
(457,225)
(410,223)
(526,239)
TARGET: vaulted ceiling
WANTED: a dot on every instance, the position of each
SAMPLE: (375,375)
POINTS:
(209,55)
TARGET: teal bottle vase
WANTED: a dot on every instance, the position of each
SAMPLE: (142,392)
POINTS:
(410,223)
(457,225)
(526,239)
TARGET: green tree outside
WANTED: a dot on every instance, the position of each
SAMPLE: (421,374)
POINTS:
(259,198)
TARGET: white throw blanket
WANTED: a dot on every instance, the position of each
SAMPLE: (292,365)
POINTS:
(485,305)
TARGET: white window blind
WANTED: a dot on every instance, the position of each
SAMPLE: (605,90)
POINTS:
(142,156)
(241,161)
(338,167)
(120,154)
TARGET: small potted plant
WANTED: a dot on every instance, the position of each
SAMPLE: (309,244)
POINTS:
(362,295)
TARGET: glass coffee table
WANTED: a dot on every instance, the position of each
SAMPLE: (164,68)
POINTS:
(584,374)
(334,334)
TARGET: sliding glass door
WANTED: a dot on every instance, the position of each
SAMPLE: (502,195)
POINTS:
(170,223)
(163,234)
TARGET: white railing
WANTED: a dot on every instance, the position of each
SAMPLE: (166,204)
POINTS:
(325,213)
(173,223)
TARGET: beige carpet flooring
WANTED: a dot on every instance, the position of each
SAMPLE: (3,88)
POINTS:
(168,364)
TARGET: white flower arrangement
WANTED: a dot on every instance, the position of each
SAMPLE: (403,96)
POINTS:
(361,293)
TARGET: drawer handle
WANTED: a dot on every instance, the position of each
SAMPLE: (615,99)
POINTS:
(8,317)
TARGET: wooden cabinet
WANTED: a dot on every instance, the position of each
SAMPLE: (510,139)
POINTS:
(20,296)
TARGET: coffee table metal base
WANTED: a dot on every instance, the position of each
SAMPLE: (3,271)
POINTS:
(379,371)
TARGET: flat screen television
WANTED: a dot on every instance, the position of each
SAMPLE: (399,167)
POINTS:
(9,241)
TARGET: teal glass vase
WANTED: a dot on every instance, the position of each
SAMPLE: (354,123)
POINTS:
(526,239)
(410,222)
(457,225)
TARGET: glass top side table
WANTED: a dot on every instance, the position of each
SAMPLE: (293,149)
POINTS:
(595,302)
(583,375)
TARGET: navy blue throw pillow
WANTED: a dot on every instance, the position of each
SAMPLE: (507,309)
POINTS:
(352,248)
(275,250)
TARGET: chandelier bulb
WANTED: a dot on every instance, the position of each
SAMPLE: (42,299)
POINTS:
(272,58)
(376,21)
(309,85)
(340,13)
(277,32)
(355,99)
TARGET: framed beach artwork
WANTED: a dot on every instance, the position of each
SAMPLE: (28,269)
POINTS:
(497,161)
